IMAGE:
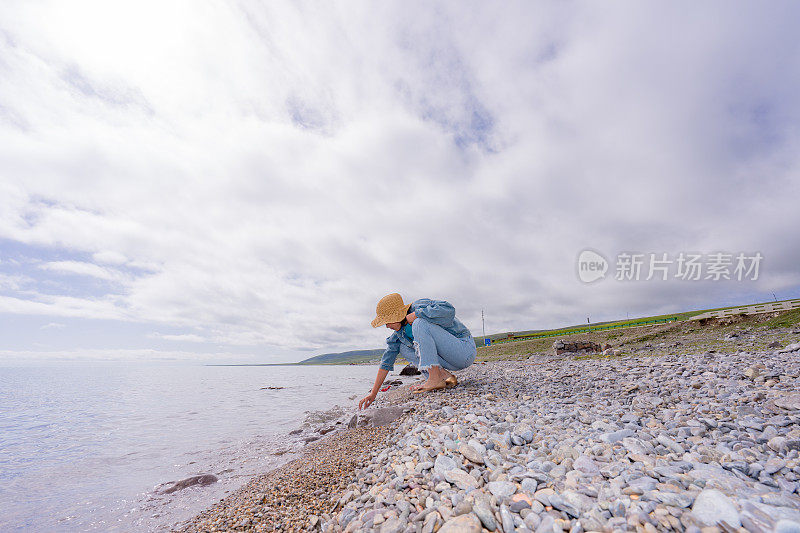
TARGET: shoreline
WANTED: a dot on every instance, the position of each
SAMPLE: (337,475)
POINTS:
(327,440)
(287,497)
(682,441)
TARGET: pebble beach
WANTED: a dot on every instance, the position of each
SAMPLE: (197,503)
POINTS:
(699,442)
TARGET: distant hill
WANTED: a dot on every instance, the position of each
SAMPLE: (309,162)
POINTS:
(344,358)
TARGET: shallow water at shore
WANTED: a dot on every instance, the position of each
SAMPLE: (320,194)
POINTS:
(85,447)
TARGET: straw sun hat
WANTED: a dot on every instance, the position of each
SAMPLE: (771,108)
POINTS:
(390,309)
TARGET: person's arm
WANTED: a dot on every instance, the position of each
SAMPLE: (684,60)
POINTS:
(369,398)
(386,365)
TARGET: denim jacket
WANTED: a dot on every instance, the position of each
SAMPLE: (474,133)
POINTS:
(437,312)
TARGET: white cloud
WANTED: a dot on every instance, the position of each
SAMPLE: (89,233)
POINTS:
(12,282)
(264,173)
(53,325)
(82,268)
(109,257)
(65,306)
(187,337)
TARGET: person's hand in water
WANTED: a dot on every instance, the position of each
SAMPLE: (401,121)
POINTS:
(366,401)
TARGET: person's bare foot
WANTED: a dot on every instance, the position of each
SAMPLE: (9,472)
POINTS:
(437,377)
(431,384)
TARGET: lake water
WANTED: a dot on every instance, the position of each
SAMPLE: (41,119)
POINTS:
(89,447)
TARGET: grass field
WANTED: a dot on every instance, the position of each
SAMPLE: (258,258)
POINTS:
(784,320)
(609,324)
(690,336)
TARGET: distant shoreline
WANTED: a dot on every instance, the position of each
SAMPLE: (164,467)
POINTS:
(254,364)
(294,364)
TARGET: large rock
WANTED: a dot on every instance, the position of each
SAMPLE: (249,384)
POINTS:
(547,524)
(789,401)
(670,444)
(466,523)
(529,485)
(707,472)
(579,501)
(202,479)
(579,347)
(444,464)
(570,502)
(777,443)
(644,483)
(346,516)
(586,465)
(410,370)
(393,525)
(680,500)
(711,507)
(483,511)
(461,479)
(791,348)
(501,489)
(634,445)
(471,453)
(506,519)
(524,431)
(616,436)
(373,418)
(787,526)
(754,371)
(761,517)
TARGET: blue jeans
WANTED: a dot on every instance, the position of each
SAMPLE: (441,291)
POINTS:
(435,346)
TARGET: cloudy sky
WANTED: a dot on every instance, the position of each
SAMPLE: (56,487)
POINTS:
(242,181)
